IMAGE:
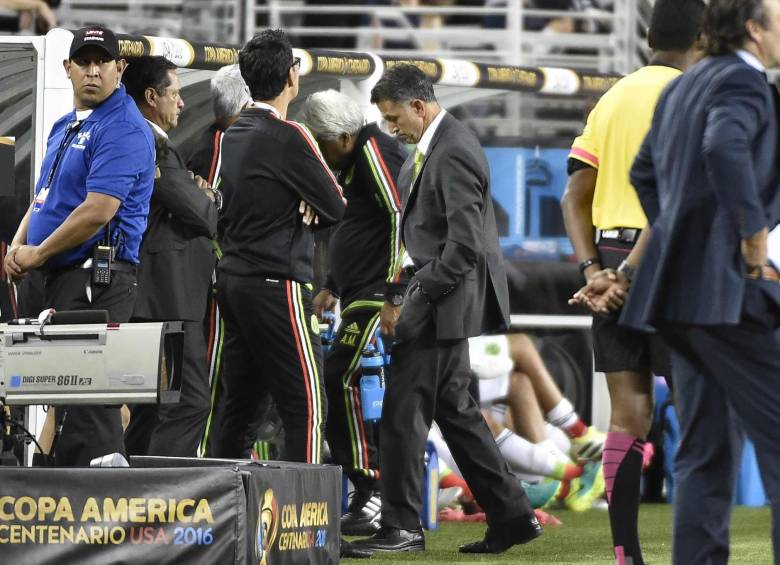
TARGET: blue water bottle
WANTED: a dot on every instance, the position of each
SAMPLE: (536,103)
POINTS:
(372,383)
(327,331)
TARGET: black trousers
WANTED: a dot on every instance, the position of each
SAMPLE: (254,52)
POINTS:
(430,380)
(213,331)
(271,346)
(265,410)
(727,378)
(352,441)
(175,430)
(89,431)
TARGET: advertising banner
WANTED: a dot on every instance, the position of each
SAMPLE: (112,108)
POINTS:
(292,509)
(122,516)
(183,53)
(293,514)
(357,65)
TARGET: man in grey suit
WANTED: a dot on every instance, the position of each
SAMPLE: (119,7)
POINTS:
(458,290)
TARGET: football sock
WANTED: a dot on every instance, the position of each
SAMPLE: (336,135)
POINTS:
(564,416)
(558,437)
(622,461)
(442,449)
(535,458)
(498,413)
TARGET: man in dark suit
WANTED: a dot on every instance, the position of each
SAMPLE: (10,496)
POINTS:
(458,290)
(177,260)
(709,187)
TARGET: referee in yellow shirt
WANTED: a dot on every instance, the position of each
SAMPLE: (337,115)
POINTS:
(603,219)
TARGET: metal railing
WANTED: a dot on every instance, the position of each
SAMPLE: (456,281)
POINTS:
(608,41)
(608,45)
(199,20)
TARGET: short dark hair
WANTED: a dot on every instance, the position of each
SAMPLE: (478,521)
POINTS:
(725,23)
(402,83)
(675,24)
(265,62)
(147,72)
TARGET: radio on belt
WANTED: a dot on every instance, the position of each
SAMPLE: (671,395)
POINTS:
(91,363)
(101,265)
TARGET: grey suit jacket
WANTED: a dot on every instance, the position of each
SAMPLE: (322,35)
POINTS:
(177,258)
(449,229)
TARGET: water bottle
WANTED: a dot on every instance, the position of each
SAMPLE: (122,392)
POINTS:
(372,384)
(327,331)
(384,350)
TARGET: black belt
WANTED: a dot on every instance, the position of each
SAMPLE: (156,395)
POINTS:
(116,265)
(624,235)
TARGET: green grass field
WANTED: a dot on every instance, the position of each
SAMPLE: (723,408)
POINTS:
(585,539)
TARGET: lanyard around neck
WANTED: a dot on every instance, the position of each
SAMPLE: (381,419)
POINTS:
(73,129)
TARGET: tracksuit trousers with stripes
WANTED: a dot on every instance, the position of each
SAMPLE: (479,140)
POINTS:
(271,346)
(352,441)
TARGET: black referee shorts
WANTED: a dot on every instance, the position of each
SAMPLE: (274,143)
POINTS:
(616,348)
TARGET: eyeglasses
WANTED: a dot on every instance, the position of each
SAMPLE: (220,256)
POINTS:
(296,62)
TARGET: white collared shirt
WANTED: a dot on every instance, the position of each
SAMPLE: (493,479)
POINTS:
(264,106)
(158,129)
(82,115)
(751,60)
(425,140)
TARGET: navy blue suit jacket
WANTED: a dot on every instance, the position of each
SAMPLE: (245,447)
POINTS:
(707,177)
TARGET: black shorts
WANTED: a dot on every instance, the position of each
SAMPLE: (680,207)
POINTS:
(616,348)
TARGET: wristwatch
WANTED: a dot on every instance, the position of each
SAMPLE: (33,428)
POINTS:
(627,271)
(396,299)
(217,197)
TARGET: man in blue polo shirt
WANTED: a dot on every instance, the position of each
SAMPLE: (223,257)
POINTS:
(94,188)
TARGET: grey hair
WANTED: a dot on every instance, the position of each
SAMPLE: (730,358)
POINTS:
(229,92)
(329,114)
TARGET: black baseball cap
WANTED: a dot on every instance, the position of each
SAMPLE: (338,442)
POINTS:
(98,36)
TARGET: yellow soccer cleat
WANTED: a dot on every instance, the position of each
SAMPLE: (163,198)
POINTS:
(587,489)
(588,447)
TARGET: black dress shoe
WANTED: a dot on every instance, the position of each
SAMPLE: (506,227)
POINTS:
(393,539)
(352,551)
(363,514)
(502,536)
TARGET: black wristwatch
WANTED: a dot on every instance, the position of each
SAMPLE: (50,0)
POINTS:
(396,299)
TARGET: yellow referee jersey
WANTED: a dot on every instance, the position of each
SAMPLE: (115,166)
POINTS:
(615,130)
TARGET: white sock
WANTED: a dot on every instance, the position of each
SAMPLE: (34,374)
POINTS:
(442,449)
(560,456)
(563,415)
(498,413)
(526,457)
(530,479)
(558,437)
(443,467)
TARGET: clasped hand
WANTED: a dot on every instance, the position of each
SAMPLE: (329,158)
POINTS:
(20,259)
(604,292)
